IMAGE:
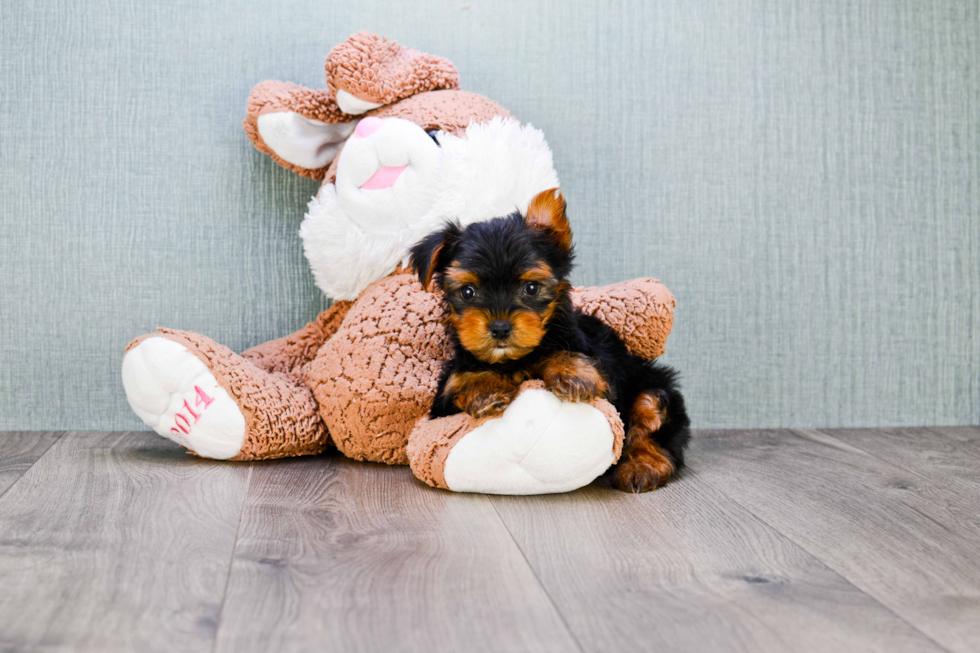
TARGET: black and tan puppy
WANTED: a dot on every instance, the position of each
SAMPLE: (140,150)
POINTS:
(510,318)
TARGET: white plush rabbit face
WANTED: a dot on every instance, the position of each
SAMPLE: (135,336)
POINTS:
(388,173)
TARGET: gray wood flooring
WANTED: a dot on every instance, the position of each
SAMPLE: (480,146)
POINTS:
(804,540)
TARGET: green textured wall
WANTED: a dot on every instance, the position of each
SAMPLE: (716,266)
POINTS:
(805,176)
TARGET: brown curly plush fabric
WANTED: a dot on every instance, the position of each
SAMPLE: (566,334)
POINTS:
(372,68)
(289,354)
(281,417)
(377,376)
(367,66)
(432,440)
(640,310)
(615,422)
(430,443)
(367,371)
(415,86)
(450,111)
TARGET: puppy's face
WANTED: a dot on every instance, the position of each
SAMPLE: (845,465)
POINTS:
(501,315)
(502,279)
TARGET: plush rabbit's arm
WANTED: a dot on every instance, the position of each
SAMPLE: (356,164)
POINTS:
(641,311)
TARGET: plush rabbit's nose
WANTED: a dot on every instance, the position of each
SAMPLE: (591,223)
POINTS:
(367,126)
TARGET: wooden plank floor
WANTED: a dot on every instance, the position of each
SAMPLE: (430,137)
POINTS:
(856,540)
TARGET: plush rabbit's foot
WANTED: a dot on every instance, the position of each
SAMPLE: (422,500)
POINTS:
(217,403)
(174,392)
(539,445)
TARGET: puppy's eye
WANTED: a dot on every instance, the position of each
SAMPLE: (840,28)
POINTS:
(531,288)
(432,134)
(467,292)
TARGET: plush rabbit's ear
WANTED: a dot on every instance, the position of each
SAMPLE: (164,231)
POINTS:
(367,71)
(302,129)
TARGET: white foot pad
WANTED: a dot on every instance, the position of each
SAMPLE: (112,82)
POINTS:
(174,392)
(540,445)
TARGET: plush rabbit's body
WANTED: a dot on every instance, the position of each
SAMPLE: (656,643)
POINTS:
(362,376)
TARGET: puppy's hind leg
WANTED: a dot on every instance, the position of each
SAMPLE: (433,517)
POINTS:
(654,446)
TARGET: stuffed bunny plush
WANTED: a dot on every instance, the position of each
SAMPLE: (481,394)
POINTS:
(400,150)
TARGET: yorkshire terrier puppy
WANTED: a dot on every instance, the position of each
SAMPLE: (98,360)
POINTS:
(510,318)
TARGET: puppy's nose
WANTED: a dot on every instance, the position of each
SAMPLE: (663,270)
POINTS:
(367,126)
(500,329)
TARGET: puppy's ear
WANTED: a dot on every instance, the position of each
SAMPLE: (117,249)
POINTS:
(546,212)
(434,252)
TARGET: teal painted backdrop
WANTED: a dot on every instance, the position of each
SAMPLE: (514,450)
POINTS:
(805,176)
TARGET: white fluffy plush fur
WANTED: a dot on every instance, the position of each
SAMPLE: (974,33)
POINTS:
(496,169)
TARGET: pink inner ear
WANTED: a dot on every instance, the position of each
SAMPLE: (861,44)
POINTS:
(383,178)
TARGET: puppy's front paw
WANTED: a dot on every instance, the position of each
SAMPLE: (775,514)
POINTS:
(571,388)
(481,394)
(487,405)
(572,377)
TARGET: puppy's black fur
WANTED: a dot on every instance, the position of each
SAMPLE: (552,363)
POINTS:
(511,318)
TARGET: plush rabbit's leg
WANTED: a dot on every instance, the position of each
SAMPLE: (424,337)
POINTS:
(539,445)
(641,311)
(289,353)
(218,404)
(367,71)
